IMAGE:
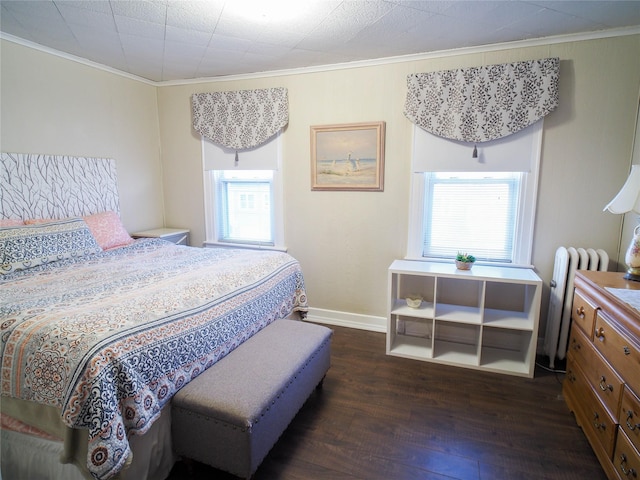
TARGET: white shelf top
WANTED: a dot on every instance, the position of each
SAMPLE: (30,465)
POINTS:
(400,307)
(160,232)
(478,272)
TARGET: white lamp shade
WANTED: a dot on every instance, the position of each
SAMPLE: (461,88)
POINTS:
(628,198)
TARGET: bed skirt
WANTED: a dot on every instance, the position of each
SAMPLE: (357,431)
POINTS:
(35,458)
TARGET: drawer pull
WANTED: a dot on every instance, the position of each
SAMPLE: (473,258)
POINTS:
(627,472)
(603,385)
(576,346)
(629,417)
(598,426)
(599,333)
(626,350)
(580,311)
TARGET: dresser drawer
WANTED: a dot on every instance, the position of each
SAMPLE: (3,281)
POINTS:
(630,416)
(623,355)
(583,314)
(579,344)
(626,458)
(596,421)
(604,381)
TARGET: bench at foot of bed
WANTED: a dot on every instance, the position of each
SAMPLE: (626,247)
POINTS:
(231,415)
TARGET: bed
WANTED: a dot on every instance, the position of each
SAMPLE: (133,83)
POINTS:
(98,335)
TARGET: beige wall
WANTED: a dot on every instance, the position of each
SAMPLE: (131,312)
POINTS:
(51,105)
(344,240)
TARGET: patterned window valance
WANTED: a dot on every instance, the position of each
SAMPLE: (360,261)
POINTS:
(479,104)
(240,119)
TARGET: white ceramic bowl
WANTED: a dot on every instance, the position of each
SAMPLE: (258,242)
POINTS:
(414,301)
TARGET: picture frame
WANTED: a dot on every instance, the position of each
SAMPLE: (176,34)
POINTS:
(348,156)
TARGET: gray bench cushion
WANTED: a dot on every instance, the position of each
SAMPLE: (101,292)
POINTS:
(233,413)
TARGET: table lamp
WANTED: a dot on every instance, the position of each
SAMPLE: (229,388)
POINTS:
(628,200)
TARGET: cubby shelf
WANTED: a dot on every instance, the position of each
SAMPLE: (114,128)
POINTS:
(484,318)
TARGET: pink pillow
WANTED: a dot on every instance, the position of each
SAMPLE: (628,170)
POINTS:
(10,222)
(108,230)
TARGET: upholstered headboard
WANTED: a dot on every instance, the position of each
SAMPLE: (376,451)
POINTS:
(51,186)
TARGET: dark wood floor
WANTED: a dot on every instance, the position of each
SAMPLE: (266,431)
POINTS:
(381,417)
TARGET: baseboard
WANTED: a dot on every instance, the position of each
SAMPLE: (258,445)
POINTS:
(346,319)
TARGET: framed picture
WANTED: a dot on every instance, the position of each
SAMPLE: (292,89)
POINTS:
(349,156)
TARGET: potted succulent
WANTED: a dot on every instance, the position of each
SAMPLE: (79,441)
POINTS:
(464,261)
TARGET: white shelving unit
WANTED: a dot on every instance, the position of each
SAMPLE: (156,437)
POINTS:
(484,318)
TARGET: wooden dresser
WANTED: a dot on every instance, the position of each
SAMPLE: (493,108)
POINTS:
(602,385)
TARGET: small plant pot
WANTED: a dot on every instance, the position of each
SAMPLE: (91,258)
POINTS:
(463,265)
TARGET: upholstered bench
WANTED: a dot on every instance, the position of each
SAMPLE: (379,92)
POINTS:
(231,415)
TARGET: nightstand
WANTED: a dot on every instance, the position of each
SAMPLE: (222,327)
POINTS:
(179,236)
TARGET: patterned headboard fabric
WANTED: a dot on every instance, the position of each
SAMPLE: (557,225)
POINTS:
(52,186)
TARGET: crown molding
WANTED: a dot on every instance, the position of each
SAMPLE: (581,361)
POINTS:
(73,58)
(577,37)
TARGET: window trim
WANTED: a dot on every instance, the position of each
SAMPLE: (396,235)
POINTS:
(463,183)
(211,215)
(525,223)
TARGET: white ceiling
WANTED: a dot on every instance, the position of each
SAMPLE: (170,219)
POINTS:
(172,40)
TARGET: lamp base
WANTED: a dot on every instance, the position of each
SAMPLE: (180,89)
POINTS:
(632,257)
(632,276)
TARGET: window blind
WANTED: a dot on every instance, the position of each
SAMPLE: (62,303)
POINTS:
(262,157)
(468,212)
(515,153)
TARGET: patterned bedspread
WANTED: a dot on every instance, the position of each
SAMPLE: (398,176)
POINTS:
(110,338)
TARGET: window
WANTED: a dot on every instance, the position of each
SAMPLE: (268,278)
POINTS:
(485,206)
(243,198)
(244,207)
(479,208)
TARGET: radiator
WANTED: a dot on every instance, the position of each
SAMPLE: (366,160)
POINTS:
(567,261)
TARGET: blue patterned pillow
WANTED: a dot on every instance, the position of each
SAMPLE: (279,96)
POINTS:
(27,246)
